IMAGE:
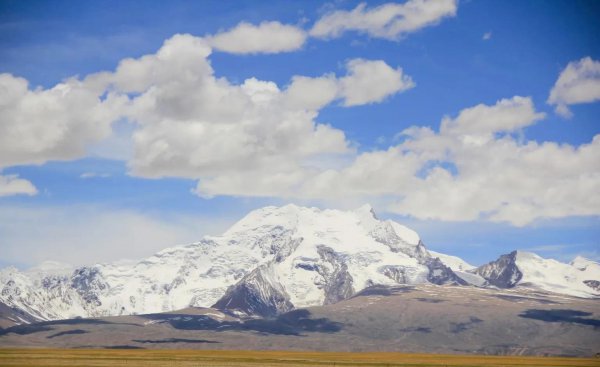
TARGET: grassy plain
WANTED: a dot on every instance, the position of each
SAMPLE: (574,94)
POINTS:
(202,358)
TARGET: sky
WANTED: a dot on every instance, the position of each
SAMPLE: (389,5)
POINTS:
(131,126)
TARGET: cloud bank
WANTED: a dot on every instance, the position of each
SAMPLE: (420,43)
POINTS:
(257,138)
(474,168)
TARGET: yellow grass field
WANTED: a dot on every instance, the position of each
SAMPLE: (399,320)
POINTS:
(148,358)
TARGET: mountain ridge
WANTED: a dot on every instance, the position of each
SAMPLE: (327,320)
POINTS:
(273,260)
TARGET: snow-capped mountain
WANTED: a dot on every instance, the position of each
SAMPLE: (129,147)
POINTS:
(526,269)
(312,256)
(273,260)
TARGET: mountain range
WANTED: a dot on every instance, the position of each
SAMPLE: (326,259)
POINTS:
(275,260)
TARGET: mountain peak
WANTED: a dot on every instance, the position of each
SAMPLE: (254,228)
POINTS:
(366,211)
(582,263)
(522,268)
(525,255)
(365,208)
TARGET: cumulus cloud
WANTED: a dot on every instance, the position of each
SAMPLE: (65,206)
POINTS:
(261,139)
(195,125)
(58,123)
(267,37)
(578,83)
(371,81)
(475,167)
(391,21)
(482,120)
(188,122)
(13,185)
(311,93)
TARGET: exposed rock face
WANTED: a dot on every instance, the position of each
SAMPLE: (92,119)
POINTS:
(441,274)
(385,233)
(10,316)
(258,293)
(501,273)
(338,281)
(88,282)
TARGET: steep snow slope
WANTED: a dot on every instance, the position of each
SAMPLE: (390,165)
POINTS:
(453,262)
(333,246)
(526,269)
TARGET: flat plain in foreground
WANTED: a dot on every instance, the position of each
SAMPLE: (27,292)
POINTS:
(202,358)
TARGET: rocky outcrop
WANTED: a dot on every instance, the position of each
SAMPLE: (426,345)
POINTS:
(440,274)
(88,282)
(337,279)
(502,273)
(258,293)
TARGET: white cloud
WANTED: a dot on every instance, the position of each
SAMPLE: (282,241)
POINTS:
(267,37)
(473,168)
(195,125)
(257,139)
(13,185)
(487,36)
(480,121)
(192,124)
(371,81)
(367,81)
(92,234)
(311,93)
(578,83)
(390,20)
(57,123)
(183,121)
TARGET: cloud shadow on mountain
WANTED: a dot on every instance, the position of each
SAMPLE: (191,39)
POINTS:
(291,323)
(67,332)
(26,329)
(508,297)
(174,340)
(123,347)
(430,300)
(561,315)
(383,290)
(458,327)
(416,329)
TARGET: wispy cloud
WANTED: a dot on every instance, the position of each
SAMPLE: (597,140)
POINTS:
(86,175)
(87,234)
(390,20)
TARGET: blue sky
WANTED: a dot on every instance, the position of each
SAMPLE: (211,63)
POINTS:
(474,53)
